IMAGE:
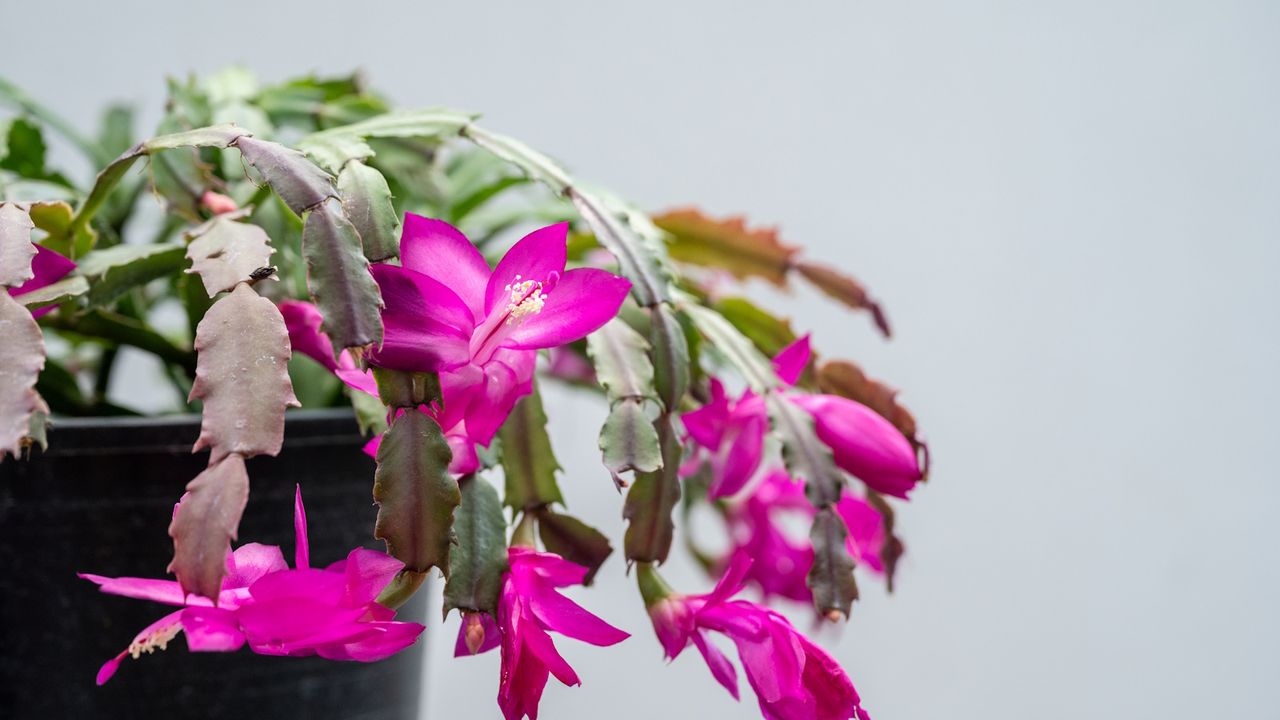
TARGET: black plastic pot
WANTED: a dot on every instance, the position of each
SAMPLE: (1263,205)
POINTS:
(100,501)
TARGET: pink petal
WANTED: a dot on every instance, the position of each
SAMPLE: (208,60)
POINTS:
(301,548)
(738,462)
(441,252)
(533,257)
(863,443)
(47,268)
(168,592)
(252,561)
(866,530)
(465,460)
(731,583)
(539,644)
(833,693)
(549,566)
(297,623)
(559,613)
(211,630)
(791,360)
(303,321)
(520,690)
(312,583)
(493,404)
(427,328)
(721,668)
(371,448)
(368,572)
(361,380)
(383,640)
(706,425)
(581,302)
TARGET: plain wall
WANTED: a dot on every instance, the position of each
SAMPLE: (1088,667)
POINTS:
(1070,211)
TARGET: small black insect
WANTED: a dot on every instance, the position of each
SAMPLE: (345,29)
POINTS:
(263,273)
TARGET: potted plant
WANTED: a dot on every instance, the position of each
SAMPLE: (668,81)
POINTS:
(321,249)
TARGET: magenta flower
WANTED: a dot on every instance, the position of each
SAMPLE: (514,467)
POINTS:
(779,560)
(793,679)
(330,612)
(529,607)
(447,312)
(48,267)
(731,434)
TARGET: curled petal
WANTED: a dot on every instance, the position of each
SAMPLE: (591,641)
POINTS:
(721,668)
(368,572)
(791,360)
(441,252)
(566,617)
(427,327)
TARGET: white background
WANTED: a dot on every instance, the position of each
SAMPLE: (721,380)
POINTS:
(1070,210)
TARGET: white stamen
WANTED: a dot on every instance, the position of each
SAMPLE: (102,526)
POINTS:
(525,298)
(158,639)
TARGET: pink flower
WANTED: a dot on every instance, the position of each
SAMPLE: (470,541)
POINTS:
(305,336)
(48,267)
(793,678)
(447,312)
(330,612)
(529,607)
(780,560)
(731,434)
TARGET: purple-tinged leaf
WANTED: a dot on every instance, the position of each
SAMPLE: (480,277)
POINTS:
(574,540)
(298,181)
(21,360)
(242,375)
(366,198)
(224,253)
(338,277)
(841,287)
(528,461)
(650,501)
(78,229)
(479,560)
(628,440)
(415,493)
(16,250)
(831,576)
(206,522)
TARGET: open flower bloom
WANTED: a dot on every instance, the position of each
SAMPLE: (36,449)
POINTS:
(528,608)
(48,267)
(793,678)
(447,312)
(780,560)
(330,612)
(304,320)
(863,443)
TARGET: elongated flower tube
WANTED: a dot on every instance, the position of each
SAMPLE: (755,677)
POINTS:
(780,560)
(528,609)
(330,612)
(731,434)
(447,312)
(48,267)
(793,679)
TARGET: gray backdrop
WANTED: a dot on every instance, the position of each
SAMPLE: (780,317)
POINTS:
(1069,209)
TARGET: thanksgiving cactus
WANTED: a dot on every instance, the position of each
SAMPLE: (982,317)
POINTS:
(433,274)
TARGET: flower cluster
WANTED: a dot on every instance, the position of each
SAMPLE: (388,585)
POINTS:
(480,329)
(277,610)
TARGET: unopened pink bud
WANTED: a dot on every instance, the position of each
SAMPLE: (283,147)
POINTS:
(217,203)
(474,632)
